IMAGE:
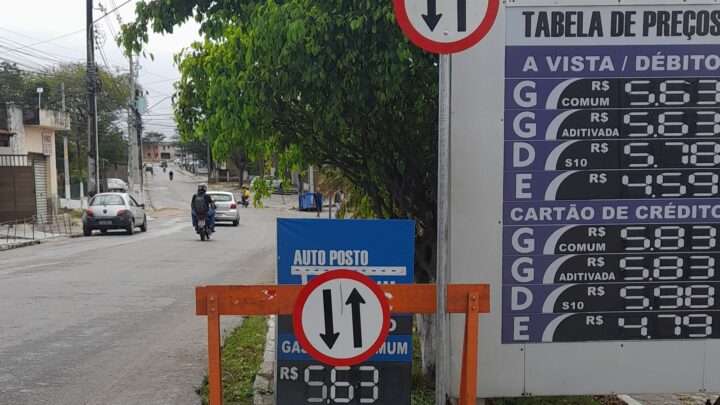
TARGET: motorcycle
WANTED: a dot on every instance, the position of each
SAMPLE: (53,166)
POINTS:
(171,176)
(203,227)
(245,201)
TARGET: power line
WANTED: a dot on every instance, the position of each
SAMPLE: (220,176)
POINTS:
(111,11)
(53,39)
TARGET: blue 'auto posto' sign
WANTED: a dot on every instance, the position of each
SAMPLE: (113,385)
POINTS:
(380,249)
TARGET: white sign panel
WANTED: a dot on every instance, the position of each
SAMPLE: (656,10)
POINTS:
(597,148)
(341,318)
(47,142)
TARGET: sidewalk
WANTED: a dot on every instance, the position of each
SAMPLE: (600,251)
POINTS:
(16,235)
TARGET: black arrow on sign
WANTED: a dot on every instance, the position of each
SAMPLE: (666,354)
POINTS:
(329,337)
(354,300)
(462,15)
(432,17)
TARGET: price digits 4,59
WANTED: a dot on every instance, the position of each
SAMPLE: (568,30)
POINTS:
(340,390)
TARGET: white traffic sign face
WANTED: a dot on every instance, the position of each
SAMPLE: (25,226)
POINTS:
(446,26)
(341,318)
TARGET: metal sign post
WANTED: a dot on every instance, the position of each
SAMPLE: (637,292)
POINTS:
(444,27)
(443,231)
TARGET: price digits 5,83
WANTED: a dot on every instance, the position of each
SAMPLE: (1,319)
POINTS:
(669,238)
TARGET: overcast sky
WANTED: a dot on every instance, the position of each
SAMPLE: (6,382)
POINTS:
(28,22)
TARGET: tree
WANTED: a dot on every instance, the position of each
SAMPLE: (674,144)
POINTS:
(153,137)
(20,87)
(327,82)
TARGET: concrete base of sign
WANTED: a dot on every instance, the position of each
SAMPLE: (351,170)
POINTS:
(264,381)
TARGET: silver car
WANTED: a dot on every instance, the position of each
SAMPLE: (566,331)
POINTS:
(227,207)
(114,211)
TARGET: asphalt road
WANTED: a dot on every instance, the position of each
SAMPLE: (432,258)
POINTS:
(110,319)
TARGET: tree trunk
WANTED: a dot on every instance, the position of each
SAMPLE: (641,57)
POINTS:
(425,272)
(239,159)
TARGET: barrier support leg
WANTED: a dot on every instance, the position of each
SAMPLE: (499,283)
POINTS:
(468,374)
(214,368)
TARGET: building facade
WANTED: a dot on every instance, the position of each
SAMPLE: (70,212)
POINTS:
(28,170)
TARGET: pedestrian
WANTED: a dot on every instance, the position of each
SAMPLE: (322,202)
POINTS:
(337,200)
(318,201)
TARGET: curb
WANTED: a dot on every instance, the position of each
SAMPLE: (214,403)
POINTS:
(18,245)
(628,400)
(263,384)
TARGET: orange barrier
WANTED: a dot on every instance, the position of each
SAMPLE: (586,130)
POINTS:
(214,301)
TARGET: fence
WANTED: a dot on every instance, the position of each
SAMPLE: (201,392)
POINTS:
(468,299)
(35,228)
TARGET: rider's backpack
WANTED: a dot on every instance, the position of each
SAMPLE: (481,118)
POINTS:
(199,205)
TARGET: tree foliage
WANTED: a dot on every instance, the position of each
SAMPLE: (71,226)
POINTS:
(328,82)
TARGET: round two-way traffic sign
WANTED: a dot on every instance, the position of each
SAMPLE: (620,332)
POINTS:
(341,318)
(446,26)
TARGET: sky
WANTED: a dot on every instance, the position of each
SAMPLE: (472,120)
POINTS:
(25,23)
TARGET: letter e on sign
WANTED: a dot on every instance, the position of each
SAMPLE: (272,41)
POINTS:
(341,318)
(446,26)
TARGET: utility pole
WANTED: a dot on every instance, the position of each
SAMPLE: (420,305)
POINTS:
(93,153)
(208,161)
(133,158)
(66,157)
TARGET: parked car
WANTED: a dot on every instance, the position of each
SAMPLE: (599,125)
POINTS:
(227,207)
(117,185)
(273,183)
(114,211)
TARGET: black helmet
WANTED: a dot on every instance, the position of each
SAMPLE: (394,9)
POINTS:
(202,188)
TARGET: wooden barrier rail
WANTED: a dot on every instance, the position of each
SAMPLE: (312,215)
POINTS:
(214,301)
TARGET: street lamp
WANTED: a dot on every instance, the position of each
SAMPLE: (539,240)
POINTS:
(40,91)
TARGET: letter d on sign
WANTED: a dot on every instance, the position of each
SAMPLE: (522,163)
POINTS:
(520,298)
(523,154)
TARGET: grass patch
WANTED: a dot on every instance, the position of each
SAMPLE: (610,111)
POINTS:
(241,356)
(423,388)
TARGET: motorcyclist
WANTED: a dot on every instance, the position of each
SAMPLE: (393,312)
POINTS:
(171,175)
(245,196)
(202,193)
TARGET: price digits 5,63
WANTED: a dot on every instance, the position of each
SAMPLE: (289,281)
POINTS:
(671,92)
(340,390)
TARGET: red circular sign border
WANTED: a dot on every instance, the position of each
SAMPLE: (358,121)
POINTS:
(302,299)
(446,47)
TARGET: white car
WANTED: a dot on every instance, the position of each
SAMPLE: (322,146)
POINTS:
(227,207)
(273,183)
(114,211)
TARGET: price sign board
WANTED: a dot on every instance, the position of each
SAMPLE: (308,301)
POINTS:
(604,196)
(384,252)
